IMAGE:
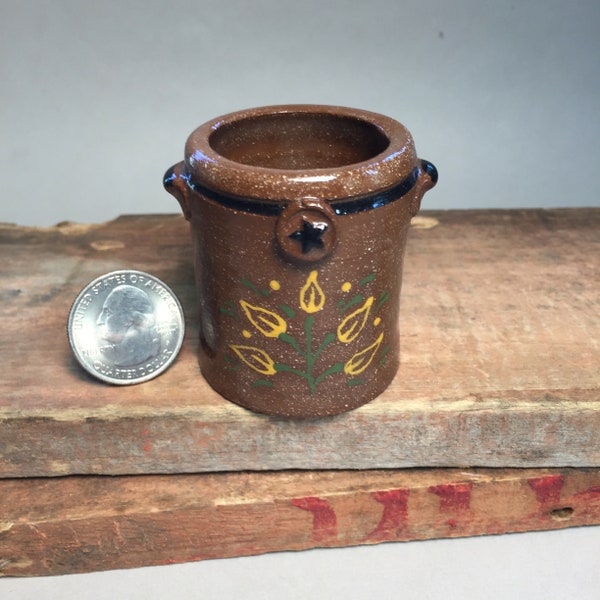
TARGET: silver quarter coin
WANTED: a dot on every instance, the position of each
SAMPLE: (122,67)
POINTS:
(126,327)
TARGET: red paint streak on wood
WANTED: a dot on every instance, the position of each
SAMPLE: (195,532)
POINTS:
(547,489)
(593,491)
(184,559)
(394,516)
(324,519)
(453,496)
(147,447)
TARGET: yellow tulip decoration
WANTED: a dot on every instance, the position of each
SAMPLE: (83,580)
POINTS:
(354,323)
(256,359)
(311,300)
(267,322)
(361,360)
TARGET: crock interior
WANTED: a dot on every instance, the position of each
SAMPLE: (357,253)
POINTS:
(298,140)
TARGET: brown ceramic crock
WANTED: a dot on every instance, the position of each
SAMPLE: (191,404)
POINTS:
(299,216)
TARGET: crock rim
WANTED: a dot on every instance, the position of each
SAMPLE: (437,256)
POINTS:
(208,168)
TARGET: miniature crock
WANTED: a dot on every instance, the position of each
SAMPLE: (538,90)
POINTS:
(299,216)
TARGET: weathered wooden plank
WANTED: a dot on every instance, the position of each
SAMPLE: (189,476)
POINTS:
(54,526)
(500,358)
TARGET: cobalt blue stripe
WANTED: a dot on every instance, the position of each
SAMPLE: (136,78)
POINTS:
(341,207)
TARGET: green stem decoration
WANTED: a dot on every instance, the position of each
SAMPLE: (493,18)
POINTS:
(309,355)
(337,368)
(288,339)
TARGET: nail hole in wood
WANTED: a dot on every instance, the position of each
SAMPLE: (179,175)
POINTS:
(561,514)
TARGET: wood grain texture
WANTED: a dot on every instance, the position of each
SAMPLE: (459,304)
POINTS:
(499,366)
(54,526)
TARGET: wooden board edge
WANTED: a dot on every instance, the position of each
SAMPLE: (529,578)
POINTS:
(83,524)
(190,443)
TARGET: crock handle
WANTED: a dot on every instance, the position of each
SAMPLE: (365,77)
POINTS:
(428,177)
(175,182)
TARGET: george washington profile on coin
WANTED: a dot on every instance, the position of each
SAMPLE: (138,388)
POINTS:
(128,323)
(126,327)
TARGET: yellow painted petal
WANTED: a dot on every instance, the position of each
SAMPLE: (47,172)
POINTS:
(256,359)
(361,360)
(267,322)
(312,298)
(354,323)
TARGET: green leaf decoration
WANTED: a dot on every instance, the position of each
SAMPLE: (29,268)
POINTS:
(287,311)
(251,286)
(345,306)
(383,298)
(262,383)
(366,280)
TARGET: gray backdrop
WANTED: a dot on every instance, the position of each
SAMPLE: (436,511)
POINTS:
(97,99)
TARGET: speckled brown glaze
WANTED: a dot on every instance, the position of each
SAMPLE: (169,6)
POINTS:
(299,216)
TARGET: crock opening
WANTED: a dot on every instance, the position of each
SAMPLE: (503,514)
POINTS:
(296,140)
